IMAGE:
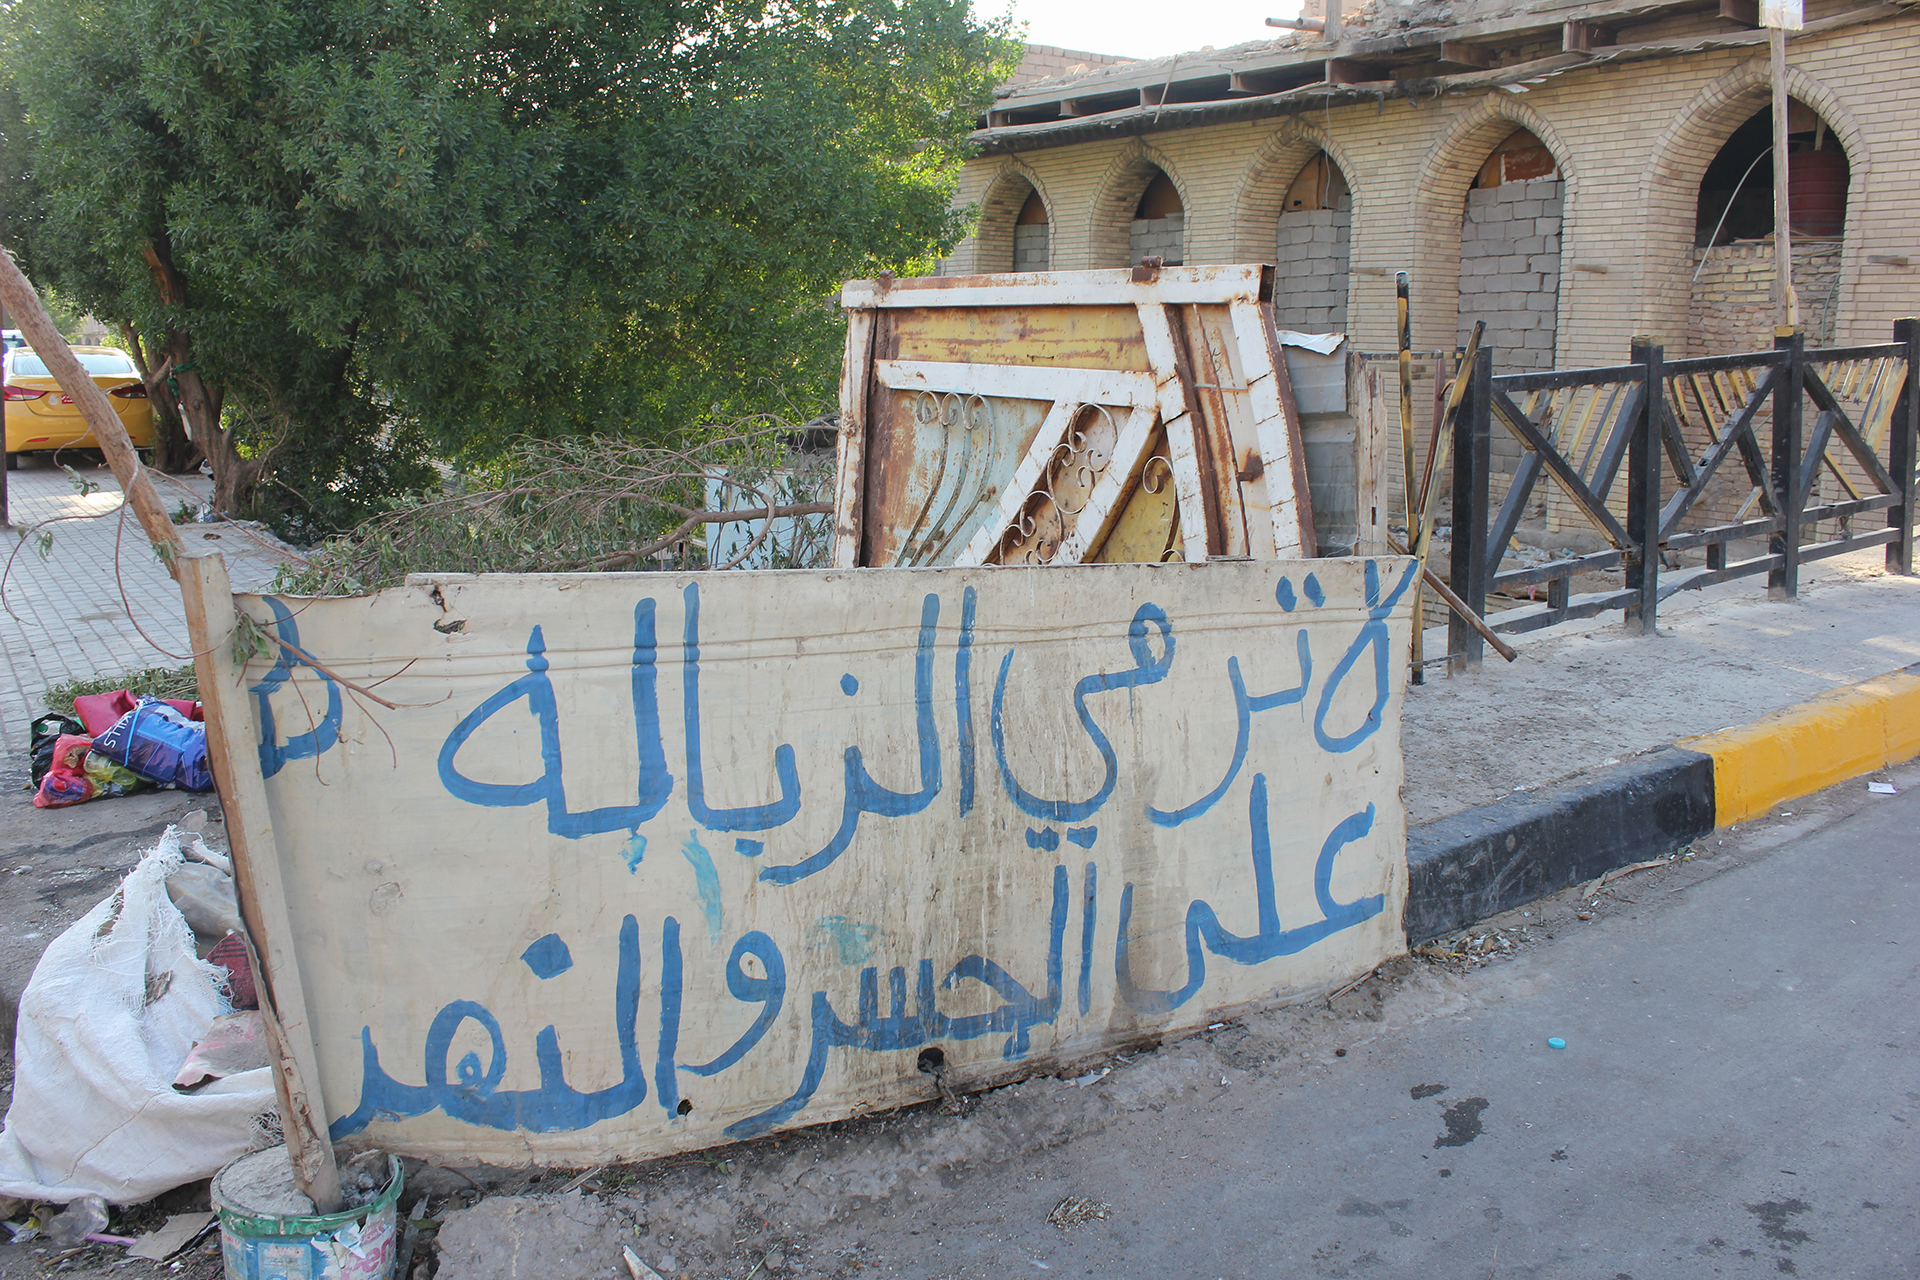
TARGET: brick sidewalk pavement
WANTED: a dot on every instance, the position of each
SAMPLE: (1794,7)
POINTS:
(64,618)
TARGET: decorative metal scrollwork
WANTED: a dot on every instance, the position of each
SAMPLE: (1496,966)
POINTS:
(969,434)
(1066,485)
(1156,473)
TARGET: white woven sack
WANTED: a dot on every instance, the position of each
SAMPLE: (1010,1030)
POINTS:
(112,1009)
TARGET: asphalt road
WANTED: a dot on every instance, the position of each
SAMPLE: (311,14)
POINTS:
(1736,1098)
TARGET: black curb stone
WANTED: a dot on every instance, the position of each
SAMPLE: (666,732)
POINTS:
(1479,863)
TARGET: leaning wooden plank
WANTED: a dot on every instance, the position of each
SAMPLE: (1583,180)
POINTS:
(1211,387)
(850,446)
(1281,452)
(1022,382)
(1250,472)
(1176,410)
(1171,286)
(1020,488)
(211,623)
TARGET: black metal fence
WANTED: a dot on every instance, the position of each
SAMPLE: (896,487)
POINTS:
(1580,426)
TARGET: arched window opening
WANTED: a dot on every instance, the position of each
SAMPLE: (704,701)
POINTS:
(1031,246)
(1316,226)
(1736,193)
(1732,302)
(1510,253)
(1159,224)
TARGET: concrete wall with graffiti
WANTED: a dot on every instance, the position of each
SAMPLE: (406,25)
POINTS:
(641,862)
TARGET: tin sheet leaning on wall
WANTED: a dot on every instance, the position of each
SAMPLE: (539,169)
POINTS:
(645,862)
(1068,417)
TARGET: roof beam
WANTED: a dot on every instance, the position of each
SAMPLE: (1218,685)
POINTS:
(1466,55)
(1585,37)
(1349,71)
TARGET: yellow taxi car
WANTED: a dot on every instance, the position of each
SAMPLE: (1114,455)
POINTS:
(42,418)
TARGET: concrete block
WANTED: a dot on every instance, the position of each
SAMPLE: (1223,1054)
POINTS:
(1481,197)
(1525,208)
(1530,245)
(1540,339)
(1545,226)
(1544,302)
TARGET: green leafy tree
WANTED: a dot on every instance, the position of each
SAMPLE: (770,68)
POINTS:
(351,232)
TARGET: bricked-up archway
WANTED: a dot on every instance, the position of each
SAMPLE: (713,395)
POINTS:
(1440,205)
(1733,305)
(1117,200)
(1510,254)
(1159,228)
(1000,212)
(1313,235)
(1670,193)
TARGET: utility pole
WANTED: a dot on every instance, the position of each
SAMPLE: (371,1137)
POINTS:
(1780,17)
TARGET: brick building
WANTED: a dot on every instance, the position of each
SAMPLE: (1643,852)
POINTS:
(1573,174)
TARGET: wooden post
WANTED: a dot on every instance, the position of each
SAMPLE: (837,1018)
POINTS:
(44,337)
(1403,291)
(1784,582)
(1372,495)
(211,619)
(1901,461)
(850,445)
(1646,455)
(1472,447)
(1787,302)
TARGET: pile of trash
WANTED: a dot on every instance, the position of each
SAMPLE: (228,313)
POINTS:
(114,745)
(138,1065)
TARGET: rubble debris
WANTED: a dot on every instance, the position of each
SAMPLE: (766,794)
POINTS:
(1075,1211)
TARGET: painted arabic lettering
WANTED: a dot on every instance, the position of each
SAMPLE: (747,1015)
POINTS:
(946,886)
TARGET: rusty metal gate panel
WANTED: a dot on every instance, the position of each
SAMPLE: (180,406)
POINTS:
(1067,418)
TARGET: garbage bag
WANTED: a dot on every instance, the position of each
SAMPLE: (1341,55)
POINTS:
(46,731)
(65,781)
(110,779)
(159,744)
(99,711)
(106,1022)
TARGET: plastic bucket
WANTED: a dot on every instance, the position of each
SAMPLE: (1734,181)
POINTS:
(357,1244)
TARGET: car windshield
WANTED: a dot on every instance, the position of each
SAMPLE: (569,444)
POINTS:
(28,365)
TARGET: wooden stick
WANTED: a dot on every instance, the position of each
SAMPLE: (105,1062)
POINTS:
(1442,447)
(108,431)
(1458,605)
(211,619)
(1782,224)
(1403,301)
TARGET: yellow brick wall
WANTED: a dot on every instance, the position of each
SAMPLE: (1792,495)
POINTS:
(1632,140)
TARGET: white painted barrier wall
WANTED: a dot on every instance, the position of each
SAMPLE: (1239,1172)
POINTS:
(647,862)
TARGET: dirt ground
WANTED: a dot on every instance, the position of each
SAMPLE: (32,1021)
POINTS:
(1589,693)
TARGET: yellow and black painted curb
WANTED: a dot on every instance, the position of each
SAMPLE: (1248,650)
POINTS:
(1483,861)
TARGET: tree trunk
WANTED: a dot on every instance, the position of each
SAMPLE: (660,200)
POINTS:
(174,378)
(173,452)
